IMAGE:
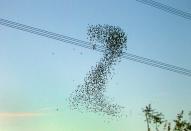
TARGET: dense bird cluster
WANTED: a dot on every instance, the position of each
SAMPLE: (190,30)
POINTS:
(90,96)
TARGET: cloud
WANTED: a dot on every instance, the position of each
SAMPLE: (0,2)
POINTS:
(48,109)
(20,114)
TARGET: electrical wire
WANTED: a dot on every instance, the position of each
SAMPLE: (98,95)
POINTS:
(88,45)
(166,8)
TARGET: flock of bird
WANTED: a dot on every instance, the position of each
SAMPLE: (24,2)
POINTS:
(90,95)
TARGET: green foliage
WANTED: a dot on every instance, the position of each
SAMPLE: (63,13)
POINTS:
(157,119)
(180,124)
(148,111)
(189,115)
(153,117)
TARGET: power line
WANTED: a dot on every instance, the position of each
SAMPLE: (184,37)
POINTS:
(166,8)
(88,45)
(158,64)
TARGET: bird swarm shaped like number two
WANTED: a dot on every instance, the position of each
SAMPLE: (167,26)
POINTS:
(90,95)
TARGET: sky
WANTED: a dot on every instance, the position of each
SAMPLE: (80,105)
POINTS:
(38,74)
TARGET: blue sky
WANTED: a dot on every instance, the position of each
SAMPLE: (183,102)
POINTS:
(38,73)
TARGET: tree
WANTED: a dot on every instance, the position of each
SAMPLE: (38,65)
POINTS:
(148,114)
(181,125)
(189,115)
(153,117)
(158,119)
(169,126)
(188,126)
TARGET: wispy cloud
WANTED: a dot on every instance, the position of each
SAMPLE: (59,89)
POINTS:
(20,114)
(48,109)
